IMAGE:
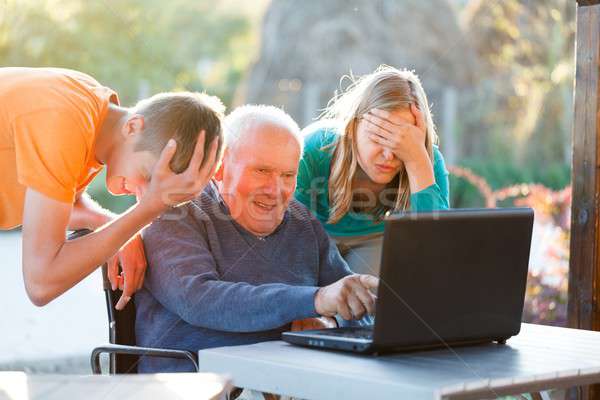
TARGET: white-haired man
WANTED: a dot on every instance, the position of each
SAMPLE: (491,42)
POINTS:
(244,260)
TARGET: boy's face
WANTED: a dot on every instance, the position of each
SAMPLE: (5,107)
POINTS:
(128,171)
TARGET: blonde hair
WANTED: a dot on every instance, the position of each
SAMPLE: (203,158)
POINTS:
(388,89)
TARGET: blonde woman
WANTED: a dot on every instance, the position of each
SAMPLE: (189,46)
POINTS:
(373,151)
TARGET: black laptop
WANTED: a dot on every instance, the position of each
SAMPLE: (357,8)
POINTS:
(447,278)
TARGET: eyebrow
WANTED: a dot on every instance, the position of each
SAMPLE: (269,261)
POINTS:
(262,166)
(271,168)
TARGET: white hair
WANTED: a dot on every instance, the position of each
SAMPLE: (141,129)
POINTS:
(237,122)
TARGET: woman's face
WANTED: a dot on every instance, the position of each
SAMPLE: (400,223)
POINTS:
(379,162)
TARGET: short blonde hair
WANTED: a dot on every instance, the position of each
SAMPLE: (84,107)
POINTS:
(181,116)
(387,88)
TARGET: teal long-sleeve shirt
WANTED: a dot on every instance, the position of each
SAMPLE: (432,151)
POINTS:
(313,183)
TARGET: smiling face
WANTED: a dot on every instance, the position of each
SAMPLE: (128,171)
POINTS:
(257,177)
(378,162)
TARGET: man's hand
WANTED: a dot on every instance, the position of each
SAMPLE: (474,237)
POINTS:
(168,189)
(350,297)
(314,323)
(133,263)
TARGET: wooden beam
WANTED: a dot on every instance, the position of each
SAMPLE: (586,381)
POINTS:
(585,234)
(584,269)
(583,3)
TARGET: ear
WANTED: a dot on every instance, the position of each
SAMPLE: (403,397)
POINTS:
(133,126)
(419,117)
(219,173)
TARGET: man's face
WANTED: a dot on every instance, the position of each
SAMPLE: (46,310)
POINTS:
(128,171)
(258,177)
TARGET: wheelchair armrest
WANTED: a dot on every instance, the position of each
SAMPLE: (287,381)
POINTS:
(139,351)
(78,233)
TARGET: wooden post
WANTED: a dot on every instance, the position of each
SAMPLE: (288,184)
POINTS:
(585,233)
(584,269)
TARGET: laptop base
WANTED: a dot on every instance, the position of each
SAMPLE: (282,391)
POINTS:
(341,339)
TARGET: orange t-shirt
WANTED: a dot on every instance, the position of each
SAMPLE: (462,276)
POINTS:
(49,119)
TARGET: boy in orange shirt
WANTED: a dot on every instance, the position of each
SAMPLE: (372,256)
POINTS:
(58,128)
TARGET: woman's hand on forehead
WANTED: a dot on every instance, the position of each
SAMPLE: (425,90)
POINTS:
(396,118)
(405,140)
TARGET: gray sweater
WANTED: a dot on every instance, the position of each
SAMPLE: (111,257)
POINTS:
(211,283)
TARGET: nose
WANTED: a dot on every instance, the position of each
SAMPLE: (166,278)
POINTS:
(388,154)
(273,185)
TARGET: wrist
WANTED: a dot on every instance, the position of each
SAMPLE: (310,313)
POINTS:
(318,295)
(419,161)
(151,207)
(420,174)
(146,211)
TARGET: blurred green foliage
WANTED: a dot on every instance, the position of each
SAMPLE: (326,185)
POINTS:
(137,47)
(515,126)
(500,173)
(516,129)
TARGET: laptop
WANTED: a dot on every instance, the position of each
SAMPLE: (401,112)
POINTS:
(448,278)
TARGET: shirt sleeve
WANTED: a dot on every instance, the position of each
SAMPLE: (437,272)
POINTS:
(305,174)
(182,275)
(309,181)
(436,196)
(332,267)
(51,152)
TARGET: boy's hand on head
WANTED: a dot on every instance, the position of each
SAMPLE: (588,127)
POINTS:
(133,264)
(349,297)
(168,189)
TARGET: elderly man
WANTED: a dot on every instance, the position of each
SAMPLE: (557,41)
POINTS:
(241,262)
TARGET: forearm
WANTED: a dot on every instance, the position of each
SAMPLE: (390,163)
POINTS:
(87,214)
(63,267)
(420,172)
(239,306)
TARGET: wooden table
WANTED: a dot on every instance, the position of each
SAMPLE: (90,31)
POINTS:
(539,358)
(21,386)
